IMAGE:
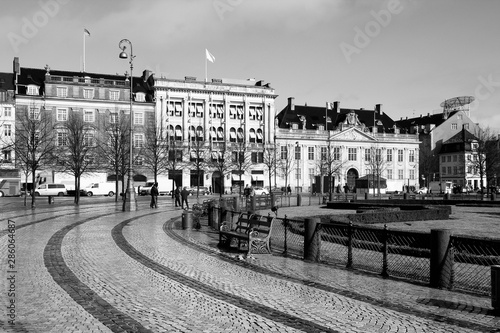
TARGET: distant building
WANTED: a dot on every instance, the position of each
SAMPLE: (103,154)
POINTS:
(349,139)
(7,120)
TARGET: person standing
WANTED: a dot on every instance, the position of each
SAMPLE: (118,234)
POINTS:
(154,196)
(289,190)
(184,196)
(177,195)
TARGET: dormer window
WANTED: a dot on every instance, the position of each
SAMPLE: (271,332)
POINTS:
(62,92)
(140,97)
(295,126)
(33,90)
(88,93)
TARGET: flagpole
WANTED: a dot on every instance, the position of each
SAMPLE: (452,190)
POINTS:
(206,77)
(84,51)
(326,116)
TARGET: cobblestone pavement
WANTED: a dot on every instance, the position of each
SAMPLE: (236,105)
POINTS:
(94,268)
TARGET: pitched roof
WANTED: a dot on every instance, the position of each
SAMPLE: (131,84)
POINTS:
(431,119)
(315,115)
(7,81)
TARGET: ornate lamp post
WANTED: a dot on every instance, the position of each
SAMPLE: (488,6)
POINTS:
(130,203)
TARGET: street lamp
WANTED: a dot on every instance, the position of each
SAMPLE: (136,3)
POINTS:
(130,203)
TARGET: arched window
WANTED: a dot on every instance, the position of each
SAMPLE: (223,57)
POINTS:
(199,134)
(253,137)
(260,136)
(241,135)
(192,134)
(232,134)
(178,133)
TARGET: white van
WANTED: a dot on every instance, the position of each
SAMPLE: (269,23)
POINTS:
(107,188)
(51,189)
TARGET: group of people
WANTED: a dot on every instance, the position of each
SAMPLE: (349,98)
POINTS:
(178,195)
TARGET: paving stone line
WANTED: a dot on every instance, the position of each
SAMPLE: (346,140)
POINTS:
(169,230)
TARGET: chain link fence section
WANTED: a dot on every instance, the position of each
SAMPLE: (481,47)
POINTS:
(473,257)
(408,255)
(366,247)
(287,236)
(334,243)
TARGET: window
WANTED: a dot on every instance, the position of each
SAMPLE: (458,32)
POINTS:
(443,170)
(297,152)
(114,95)
(295,126)
(7,130)
(140,97)
(32,90)
(240,134)
(455,170)
(62,138)
(113,117)
(400,155)
(389,155)
(443,158)
(252,135)
(88,93)
(139,160)
(411,157)
(455,158)
(138,140)
(448,170)
(88,116)
(466,126)
(459,116)
(321,127)
(62,92)
(448,158)
(378,155)
(239,111)
(412,174)
(352,154)
(138,118)
(400,174)
(260,137)
(389,173)
(311,174)
(454,126)
(88,139)
(336,153)
(310,153)
(324,153)
(3,96)
(252,114)
(7,155)
(367,154)
(258,109)
(298,174)
(34,113)
(7,112)
(284,152)
(62,114)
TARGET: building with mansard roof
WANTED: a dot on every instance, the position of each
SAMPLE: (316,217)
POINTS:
(349,140)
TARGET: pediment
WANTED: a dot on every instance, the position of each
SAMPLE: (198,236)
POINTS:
(352,134)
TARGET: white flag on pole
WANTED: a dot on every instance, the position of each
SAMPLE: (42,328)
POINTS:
(86,32)
(210,57)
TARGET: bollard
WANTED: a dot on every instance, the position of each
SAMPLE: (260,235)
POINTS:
(331,196)
(441,258)
(187,219)
(253,205)
(236,204)
(405,196)
(210,214)
(366,195)
(51,200)
(223,211)
(299,200)
(495,287)
(312,241)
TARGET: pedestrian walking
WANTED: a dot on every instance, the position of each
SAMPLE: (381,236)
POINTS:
(252,191)
(246,191)
(177,195)
(184,196)
(154,196)
(289,190)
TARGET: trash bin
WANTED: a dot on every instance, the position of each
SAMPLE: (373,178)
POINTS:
(187,219)
(51,199)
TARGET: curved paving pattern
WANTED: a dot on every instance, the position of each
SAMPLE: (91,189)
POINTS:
(95,269)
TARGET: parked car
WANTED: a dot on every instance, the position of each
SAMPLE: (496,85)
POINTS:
(51,189)
(422,190)
(203,190)
(260,191)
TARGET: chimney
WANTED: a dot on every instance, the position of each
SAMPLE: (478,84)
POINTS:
(420,115)
(291,104)
(336,106)
(378,108)
(16,68)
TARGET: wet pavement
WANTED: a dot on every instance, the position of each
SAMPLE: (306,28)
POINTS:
(94,268)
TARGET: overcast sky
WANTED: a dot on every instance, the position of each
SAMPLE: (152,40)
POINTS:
(407,55)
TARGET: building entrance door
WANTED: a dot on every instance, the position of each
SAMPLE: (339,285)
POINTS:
(352,175)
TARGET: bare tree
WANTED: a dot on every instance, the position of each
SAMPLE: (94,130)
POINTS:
(76,151)
(198,158)
(330,162)
(377,165)
(175,163)
(241,157)
(485,154)
(286,162)
(34,141)
(221,161)
(270,160)
(155,150)
(114,147)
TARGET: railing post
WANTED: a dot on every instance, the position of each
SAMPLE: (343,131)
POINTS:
(285,245)
(495,288)
(385,238)
(350,233)
(441,258)
(312,239)
(299,200)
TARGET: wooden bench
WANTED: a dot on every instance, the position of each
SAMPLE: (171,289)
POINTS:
(250,229)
